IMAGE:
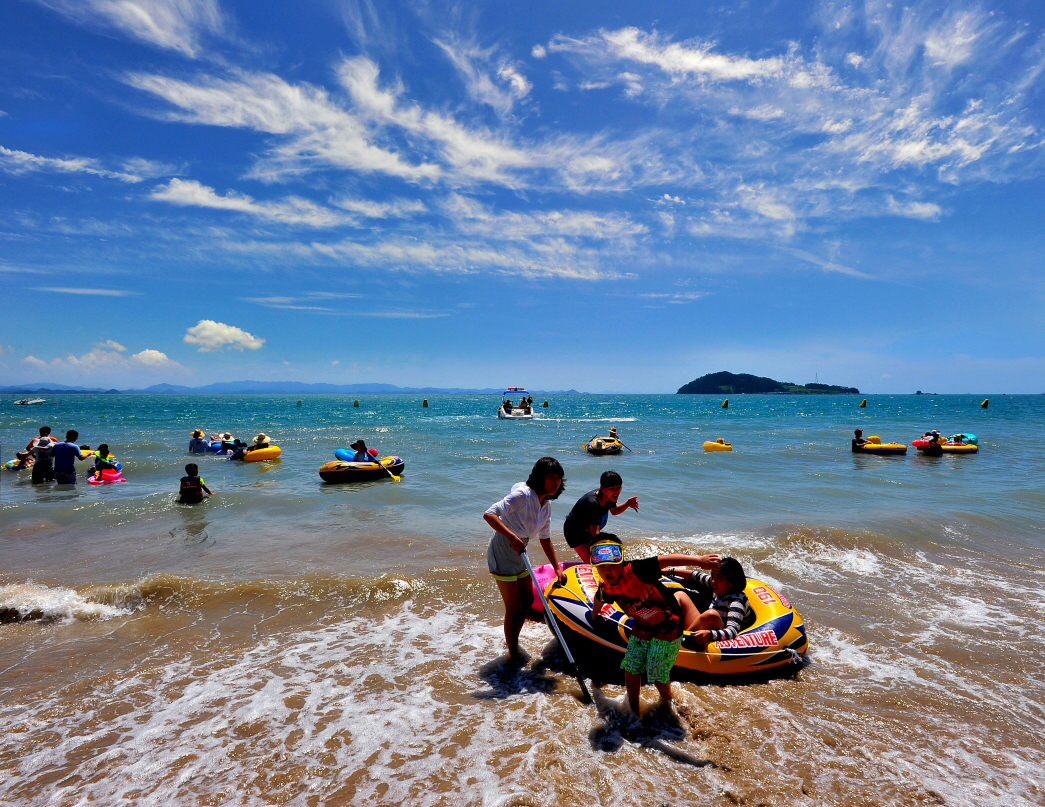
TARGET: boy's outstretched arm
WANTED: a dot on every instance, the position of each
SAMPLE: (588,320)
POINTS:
(708,562)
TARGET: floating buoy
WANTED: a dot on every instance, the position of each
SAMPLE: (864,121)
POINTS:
(356,404)
(545,404)
(985,402)
(863,404)
(424,403)
(299,402)
(725,404)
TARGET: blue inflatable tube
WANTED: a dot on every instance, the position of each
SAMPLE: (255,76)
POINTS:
(346,454)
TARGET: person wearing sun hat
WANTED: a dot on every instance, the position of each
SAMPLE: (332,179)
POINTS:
(260,441)
(659,614)
(198,444)
(362,454)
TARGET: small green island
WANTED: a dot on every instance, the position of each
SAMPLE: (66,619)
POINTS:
(744,383)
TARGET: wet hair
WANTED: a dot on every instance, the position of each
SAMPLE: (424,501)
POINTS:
(103,450)
(46,430)
(734,573)
(610,479)
(546,466)
(192,469)
(71,435)
(858,432)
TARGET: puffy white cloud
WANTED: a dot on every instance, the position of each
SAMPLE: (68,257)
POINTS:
(170,24)
(538,52)
(211,336)
(108,357)
(153,358)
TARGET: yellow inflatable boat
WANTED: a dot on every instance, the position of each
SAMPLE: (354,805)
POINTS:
(262,454)
(874,445)
(772,636)
(601,446)
(718,445)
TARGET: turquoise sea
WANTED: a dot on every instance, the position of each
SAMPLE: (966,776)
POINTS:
(292,641)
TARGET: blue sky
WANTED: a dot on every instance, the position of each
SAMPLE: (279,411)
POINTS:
(604,196)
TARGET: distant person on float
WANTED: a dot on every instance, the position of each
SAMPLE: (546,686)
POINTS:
(65,456)
(591,512)
(658,613)
(103,461)
(40,448)
(858,440)
(239,448)
(261,441)
(198,444)
(729,606)
(522,515)
(192,486)
(935,446)
(362,452)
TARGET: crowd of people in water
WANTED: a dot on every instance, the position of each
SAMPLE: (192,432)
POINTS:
(660,615)
(55,461)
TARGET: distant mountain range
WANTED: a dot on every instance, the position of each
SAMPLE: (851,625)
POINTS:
(742,383)
(263,388)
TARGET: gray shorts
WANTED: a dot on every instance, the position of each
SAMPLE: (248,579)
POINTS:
(504,562)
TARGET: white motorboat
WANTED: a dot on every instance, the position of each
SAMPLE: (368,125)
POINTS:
(29,401)
(509,411)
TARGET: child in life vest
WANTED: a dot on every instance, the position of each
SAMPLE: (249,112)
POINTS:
(103,461)
(192,486)
(659,614)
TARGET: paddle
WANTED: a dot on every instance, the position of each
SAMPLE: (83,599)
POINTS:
(550,619)
(387,471)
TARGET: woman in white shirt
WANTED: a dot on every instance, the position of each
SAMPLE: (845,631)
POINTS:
(521,515)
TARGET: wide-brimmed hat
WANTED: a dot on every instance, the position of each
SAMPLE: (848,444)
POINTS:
(197,433)
(261,438)
(358,444)
(613,431)
(226,436)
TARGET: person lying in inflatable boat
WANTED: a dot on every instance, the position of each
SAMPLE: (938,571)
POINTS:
(729,606)
(659,614)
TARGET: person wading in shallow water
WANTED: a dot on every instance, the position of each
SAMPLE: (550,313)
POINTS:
(523,514)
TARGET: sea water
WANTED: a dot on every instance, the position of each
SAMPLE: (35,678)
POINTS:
(295,642)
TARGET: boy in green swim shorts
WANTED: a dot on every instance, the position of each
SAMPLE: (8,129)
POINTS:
(658,614)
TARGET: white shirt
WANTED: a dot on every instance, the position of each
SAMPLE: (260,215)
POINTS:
(521,511)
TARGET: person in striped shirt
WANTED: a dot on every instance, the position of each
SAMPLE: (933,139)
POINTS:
(729,604)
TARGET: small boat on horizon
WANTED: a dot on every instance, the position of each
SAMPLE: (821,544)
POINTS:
(29,401)
(509,411)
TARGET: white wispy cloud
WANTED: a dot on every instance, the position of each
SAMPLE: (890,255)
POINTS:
(488,79)
(383,131)
(395,209)
(315,130)
(292,210)
(476,219)
(170,24)
(134,170)
(88,292)
(211,336)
